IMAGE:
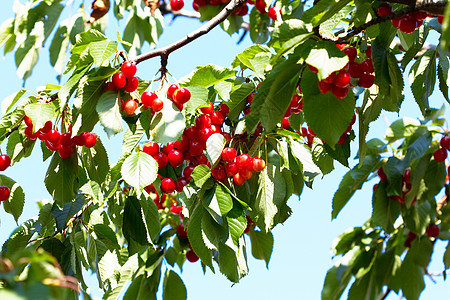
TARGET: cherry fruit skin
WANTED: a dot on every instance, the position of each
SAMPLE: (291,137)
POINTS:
(432,230)
(147,98)
(231,169)
(229,154)
(191,256)
(342,79)
(366,80)
(384,9)
(445,142)
(272,13)
(381,174)
(132,84)
(128,69)
(258,164)
(168,185)
(339,92)
(440,155)
(119,80)
(4,193)
(89,139)
(161,159)
(175,158)
(176,5)
(181,96)
(130,107)
(219,173)
(157,105)
(243,160)
(151,148)
(5,162)
(181,232)
(171,90)
(238,179)
(64,152)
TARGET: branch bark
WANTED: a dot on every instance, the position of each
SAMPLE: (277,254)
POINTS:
(207,27)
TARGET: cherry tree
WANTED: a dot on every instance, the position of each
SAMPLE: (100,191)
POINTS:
(214,156)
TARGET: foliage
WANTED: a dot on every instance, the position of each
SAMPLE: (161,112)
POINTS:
(123,220)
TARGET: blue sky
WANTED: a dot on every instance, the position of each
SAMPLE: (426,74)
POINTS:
(301,255)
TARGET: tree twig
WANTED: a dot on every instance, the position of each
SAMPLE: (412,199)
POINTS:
(219,18)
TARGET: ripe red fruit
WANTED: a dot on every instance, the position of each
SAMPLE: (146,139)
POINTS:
(432,230)
(204,134)
(260,6)
(258,164)
(89,139)
(109,86)
(161,159)
(445,142)
(229,154)
(285,123)
(4,193)
(5,162)
(168,147)
(128,69)
(342,79)
(246,173)
(132,84)
(53,136)
(175,157)
(151,148)
(355,70)
(312,68)
(207,110)
(147,98)
(440,19)
(28,121)
(366,80)
(243,160)
(29,133)
(381,174)
(51,146)
(249,224)
(187,172)
(181,232)
(350,52)
(407,24)
(191,256)
(272,13)
(130,107)
(409,239)
(407,177)
(64,152)
(217,118)
(324,87)
(367,66)
(171,90)
(338,92)
(202,121)
(369,52)
(241,11)
(119,80)
(219,173)
(176,209)
(157,104)
(440,155)
(343,138)
(77,140)
(330,78)
(384,9)
(196,148)
(231,169)
(180,184)
(168,185)
(44,130)
(181,96)
(238,179)
(176,5)
(224,109)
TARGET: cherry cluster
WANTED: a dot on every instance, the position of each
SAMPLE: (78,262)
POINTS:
(241,11)
(55,141)
(441,154)
(338,82)
(5,162)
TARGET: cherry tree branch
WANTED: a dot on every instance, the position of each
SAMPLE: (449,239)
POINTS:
(207,27)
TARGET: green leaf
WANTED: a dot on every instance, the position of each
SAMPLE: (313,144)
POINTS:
(201,174)
(259,26)
(289,34)
(262,245)
(322,11)
(69,87)
(11,100)
(206,76)
(62,215)
(19,238)
(214,146)
(14,204)
(95,161)
(327,116)
(447,257)
(199,97)
(40,113)
(195,236)
(150,216)
(352,181)
(233,264)
(101,51)
(85,102)
(444,72)
(139,170)
(445,32)
(269,198)
(274,95)
(303,155)
(173,287)
(93,189)
(256,58)
(422,77)
(327,58)
(385,211)
(61,179)
(238,98)
(132,139)
(168,124)
(133,227)
(108,109)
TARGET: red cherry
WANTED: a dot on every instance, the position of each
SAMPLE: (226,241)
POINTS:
(109,86)
(246,173)
(224,109)
(260,6)
(330,78)
(203,121)
(196,148)
(384,9)
(217,118)
(439,155)
(132,84)
(65,139)
(161,159)
(53,136)
(207,110)
(231,169)
(5,162)
(367,66)
(366,80)
(375,187)
(47,127)
(168,185)
(285,123)
(342,79)
(77,140)
(219,173)
(204,134)
(180,184)
(313,69)
(51,146)
(369,52)
(157,105)
(130,107)
(187,172)
(440,19)
(191,256)
(171,90)
(343,138)
(89,139)
(29,133)
(64,152)
(238,179)
(432,230)
(176,5)
(350,52)
(119,80)
(258,164)
(4,193)
(147,98)
(409,238)
(445,142)
(241,11)
(229,154)
(250,96)
(28,121)
(324,87)
(151,148)
(181,232)
(176,209)
(243,160)
(381,174)
(227,136)
(407,177)
(408,24)
(272,13)
(396,22)
(128,69)
(181,96)
(249,224)
(338,92)
(190,133)
(175,158)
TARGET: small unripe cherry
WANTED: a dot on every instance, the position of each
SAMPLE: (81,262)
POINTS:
(130,107)
(119,80)
(128,69)
(4,193)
